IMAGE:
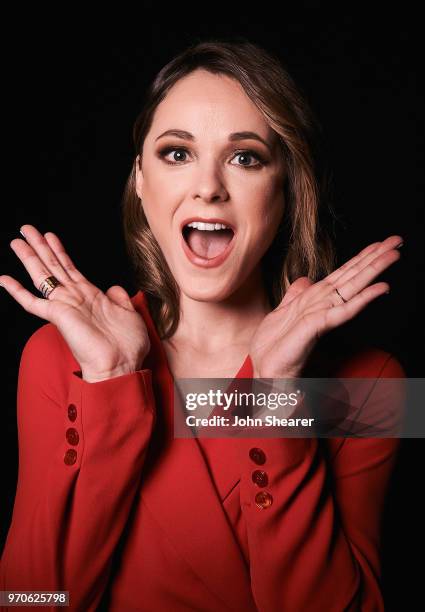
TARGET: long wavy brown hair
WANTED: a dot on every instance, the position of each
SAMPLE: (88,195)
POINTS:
(302,245)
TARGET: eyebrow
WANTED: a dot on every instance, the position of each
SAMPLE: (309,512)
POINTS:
(232,137)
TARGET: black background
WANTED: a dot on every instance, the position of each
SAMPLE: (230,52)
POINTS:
(72,89)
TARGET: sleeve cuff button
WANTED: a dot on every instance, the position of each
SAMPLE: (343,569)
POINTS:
(72,412)
(70,456)
(72,436)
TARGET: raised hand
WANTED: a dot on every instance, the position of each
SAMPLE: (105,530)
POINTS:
(105,333)
(286,336)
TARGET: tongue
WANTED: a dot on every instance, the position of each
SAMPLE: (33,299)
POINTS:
(209,244)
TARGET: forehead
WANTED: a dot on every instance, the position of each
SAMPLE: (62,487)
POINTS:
(206,103)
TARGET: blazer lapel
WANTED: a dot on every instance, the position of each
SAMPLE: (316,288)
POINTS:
(178,490)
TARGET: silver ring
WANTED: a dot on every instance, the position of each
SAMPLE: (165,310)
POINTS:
(48,285)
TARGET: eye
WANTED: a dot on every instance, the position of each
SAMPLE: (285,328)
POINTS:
(180,151)
(247,154)
(179,156)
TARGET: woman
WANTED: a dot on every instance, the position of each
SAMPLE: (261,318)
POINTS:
(111,507)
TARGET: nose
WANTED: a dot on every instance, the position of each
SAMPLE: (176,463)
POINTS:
(208,184)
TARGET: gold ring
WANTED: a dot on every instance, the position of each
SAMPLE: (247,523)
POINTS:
(48,285)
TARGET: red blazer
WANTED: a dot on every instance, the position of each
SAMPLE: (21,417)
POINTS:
(114,510)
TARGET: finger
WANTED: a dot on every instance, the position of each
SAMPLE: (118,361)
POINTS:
(352,286)
(32,263)
(322,289)
(44,252)
(333,317)
(29,302)
(65,260)
(362,259)
(348,289)
(371,248)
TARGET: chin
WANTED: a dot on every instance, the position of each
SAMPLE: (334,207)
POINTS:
(203,290)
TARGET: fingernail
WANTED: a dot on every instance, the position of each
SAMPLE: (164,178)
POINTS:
(399,245)
(22,233)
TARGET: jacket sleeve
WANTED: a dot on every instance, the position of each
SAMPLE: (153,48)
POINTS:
(81,452)
(314,538)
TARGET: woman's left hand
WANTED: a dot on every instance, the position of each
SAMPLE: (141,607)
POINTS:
(286,336)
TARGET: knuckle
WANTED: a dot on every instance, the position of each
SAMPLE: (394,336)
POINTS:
(52,262)
(350,283)
(37,281)
(69,266)
(355,267)
(39,239)
(330,283)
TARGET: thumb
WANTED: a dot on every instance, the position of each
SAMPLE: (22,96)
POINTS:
(298,286)
(120,297)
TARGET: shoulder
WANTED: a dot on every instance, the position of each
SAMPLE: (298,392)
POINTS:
(340,358)
(45,345)
(141,304)
(139,300)
(371,362)
(375,402)
(46,364)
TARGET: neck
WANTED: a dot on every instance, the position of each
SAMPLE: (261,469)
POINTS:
(208,326)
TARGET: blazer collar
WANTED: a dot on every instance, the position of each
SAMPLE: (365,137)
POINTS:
(178,490)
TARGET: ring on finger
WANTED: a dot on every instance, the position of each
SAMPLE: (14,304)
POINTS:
(48,285)
(342,298)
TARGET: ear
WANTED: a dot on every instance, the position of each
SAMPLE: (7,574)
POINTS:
(139,176)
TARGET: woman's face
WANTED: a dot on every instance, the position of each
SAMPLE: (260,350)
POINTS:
(211,169)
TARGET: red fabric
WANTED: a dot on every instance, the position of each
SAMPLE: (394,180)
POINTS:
(142,521)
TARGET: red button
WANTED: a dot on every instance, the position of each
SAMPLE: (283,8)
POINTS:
(260,478)
(72,436)
(70,456)
(257,455)
(263,500)
(72,412)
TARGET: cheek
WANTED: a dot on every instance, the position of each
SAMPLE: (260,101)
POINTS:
(156,204)
(161,194)
(268,212)
(276,203)
(159,222)
(156,225)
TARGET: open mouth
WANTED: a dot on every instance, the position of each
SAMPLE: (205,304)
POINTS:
(207,243)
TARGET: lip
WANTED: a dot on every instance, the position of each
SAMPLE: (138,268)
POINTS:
(203,262)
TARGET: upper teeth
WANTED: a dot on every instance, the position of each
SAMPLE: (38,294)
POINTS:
(207,226)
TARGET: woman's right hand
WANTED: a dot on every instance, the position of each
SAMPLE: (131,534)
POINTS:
(105,333)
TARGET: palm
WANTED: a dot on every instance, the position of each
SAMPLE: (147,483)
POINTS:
(103,330)
(286,336)
(98,330)
(283,338)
